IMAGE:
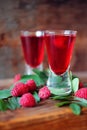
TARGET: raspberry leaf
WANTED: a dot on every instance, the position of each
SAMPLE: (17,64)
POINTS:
(3,105)
(42,74)
(55,91)
(82,104)
(63,103)
(13,103)
(76,109)
(67,97)
(80,101)
(36,96)
(75,84)
(5,93)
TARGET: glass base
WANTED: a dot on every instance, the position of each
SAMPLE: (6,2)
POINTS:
(29,69)
(59,84)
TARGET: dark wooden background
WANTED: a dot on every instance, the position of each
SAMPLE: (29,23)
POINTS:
(16,15)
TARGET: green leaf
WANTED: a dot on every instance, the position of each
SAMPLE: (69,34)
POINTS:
(60,104)
(53,90)
(76,109)
(3,106)
(57,91)
(36,96)
(13,103)
(5,93)
(41,74)
(75,84)
(62,97)
(80,101)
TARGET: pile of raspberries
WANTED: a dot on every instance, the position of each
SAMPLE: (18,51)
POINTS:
(25,90)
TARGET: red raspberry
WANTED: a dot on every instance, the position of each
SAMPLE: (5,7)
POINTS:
(81,85)
(44,93)
(31,85)
(81,93)
(17,77)
(27,100)
(19,89)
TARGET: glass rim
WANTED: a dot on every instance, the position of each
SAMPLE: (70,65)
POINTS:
(47,32)
(63,32)
(32,33)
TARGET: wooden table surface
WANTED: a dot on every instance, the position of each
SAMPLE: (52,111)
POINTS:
(45,116)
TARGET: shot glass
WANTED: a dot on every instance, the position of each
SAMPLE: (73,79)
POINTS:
(59,45)
(33,49)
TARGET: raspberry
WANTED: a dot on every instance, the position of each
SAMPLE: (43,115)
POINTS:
(17,77)
(81,85)
(44,93)
(81,93)
(31,85)
(27,100)
(19,89)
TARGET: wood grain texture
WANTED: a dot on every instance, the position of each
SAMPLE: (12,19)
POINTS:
(45,116)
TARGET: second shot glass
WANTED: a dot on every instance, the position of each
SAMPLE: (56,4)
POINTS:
(33,49)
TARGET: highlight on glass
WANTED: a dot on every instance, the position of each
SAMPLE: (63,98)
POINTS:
(33,49)
(59,46)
